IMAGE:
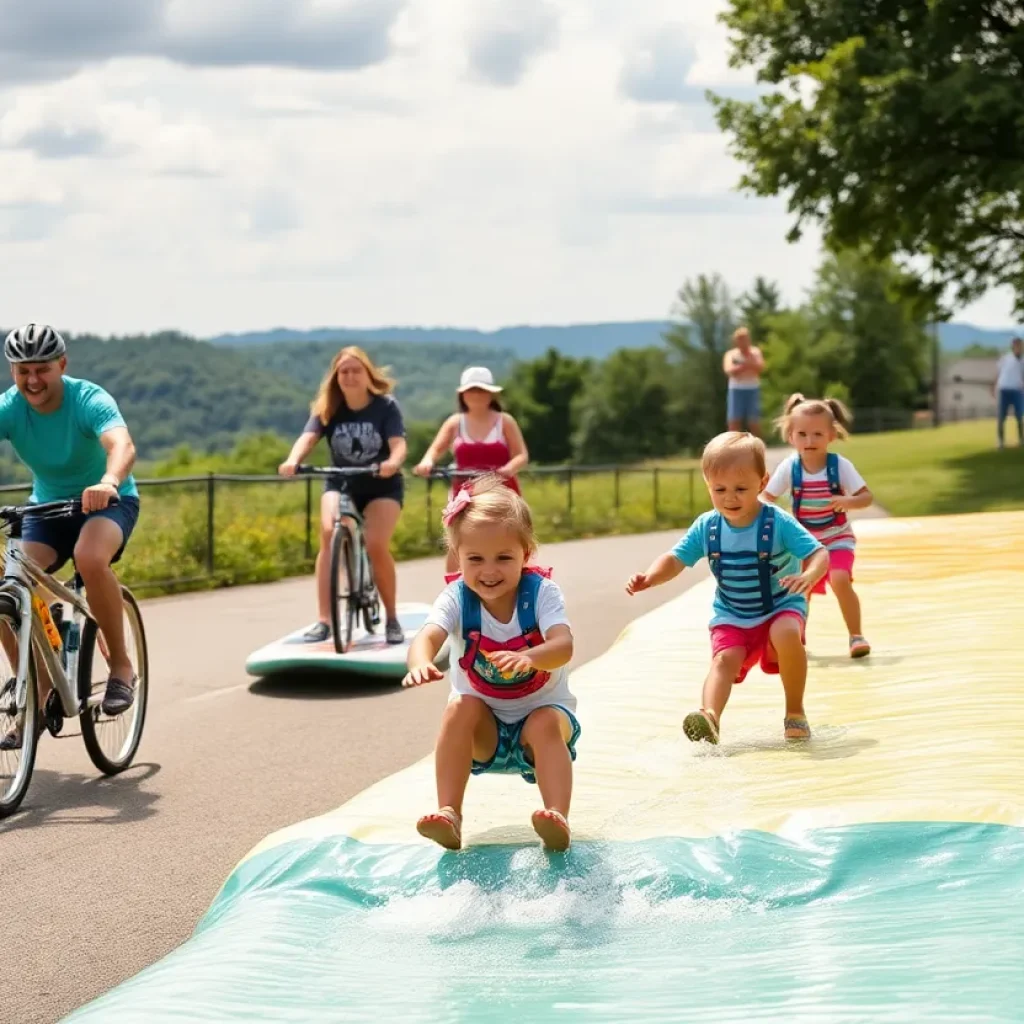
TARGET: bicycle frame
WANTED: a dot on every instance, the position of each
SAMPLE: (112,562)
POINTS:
(347,511)
(23,578)
(367,584)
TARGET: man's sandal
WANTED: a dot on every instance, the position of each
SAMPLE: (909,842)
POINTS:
(700,726)
(443,827)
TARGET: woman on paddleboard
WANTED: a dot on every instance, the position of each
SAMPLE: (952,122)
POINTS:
(357,414)
(481,436)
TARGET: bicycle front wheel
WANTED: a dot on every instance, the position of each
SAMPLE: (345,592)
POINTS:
(112,740)
(344,588)
(18,712)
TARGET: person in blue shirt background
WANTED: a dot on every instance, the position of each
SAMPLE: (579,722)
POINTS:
(71,435)
(760,606)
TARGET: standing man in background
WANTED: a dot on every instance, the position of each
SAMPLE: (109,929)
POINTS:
(743,365)
(1008,389)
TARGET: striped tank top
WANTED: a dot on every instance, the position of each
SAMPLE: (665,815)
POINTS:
(811,505)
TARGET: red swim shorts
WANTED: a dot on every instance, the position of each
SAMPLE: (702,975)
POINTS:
(839,560)
(755,640)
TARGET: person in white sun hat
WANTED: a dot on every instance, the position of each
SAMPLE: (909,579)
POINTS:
(481,436)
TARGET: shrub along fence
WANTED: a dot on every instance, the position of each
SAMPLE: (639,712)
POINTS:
(216,530)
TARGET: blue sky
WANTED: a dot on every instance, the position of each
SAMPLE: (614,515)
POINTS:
(252,163)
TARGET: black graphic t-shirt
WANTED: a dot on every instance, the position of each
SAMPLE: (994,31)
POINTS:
(362,437)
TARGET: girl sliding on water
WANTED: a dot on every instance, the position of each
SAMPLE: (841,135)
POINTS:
(510,709)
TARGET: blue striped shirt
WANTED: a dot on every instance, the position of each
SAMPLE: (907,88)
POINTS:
(738,595)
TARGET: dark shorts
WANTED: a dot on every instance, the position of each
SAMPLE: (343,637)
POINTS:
(62,534)
(1010,400)
(364,490)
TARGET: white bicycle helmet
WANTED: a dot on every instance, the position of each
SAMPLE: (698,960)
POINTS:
(34,343)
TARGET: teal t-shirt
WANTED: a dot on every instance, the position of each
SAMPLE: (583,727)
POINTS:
(62,448)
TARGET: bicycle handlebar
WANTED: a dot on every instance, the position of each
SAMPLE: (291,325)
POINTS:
(455,474)
(45,509)
(304,470)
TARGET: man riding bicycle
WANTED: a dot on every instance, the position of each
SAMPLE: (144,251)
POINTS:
(71,435)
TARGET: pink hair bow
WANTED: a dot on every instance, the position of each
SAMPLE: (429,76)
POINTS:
(456,506)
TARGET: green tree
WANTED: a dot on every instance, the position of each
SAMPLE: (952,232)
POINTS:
(871,339)
(624,413)
(542,394)
(896,124)
(700,337)
(756,307)
(789,348)
(858,338)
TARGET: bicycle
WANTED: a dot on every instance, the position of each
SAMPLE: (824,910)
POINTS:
(66,647)
(348,556)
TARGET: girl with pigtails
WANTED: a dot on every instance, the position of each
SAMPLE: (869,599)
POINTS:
(825,488)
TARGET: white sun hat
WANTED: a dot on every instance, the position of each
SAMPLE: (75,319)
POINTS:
(478,377)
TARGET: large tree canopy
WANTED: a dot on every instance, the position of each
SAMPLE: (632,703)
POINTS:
(895,124)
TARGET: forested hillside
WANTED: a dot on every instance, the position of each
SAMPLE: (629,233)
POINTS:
(175,390)
(427,374)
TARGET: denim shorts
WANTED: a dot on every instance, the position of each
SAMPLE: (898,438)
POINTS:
(62,534)
(510,758)
(744,404)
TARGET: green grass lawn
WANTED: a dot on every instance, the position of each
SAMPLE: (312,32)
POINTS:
(943,471)
(947,470)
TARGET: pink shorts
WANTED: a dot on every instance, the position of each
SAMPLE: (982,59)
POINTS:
(839,560)
(755,641)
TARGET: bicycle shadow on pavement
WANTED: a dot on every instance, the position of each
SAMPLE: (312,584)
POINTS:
(316,684)
(57,799)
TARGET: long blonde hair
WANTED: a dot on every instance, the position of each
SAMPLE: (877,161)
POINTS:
(797,405)
(329,397)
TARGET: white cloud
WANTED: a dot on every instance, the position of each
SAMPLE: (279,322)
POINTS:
(504,37)
(551,164)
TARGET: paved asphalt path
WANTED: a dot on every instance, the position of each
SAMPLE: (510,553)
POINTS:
(104,876)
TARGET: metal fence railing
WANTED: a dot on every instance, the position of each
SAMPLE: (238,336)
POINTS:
(221,529)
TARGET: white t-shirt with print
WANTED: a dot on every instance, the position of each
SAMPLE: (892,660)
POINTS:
(447,614)
(1011,373)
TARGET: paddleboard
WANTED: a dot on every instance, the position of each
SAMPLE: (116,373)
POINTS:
(370,654)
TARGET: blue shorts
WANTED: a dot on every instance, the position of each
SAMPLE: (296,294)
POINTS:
(510,757)
(62,534)
(744,404)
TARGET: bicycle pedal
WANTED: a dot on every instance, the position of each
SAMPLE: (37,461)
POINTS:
(53,714)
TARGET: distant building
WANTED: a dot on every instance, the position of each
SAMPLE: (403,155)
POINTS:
(965,389)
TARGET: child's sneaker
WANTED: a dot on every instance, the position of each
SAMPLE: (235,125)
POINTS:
(700,726)
(859,647)
(796,727)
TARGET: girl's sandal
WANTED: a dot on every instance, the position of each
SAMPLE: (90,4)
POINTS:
(443,827)
(797,728)
(701,726)
(859,647)
(553,829)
